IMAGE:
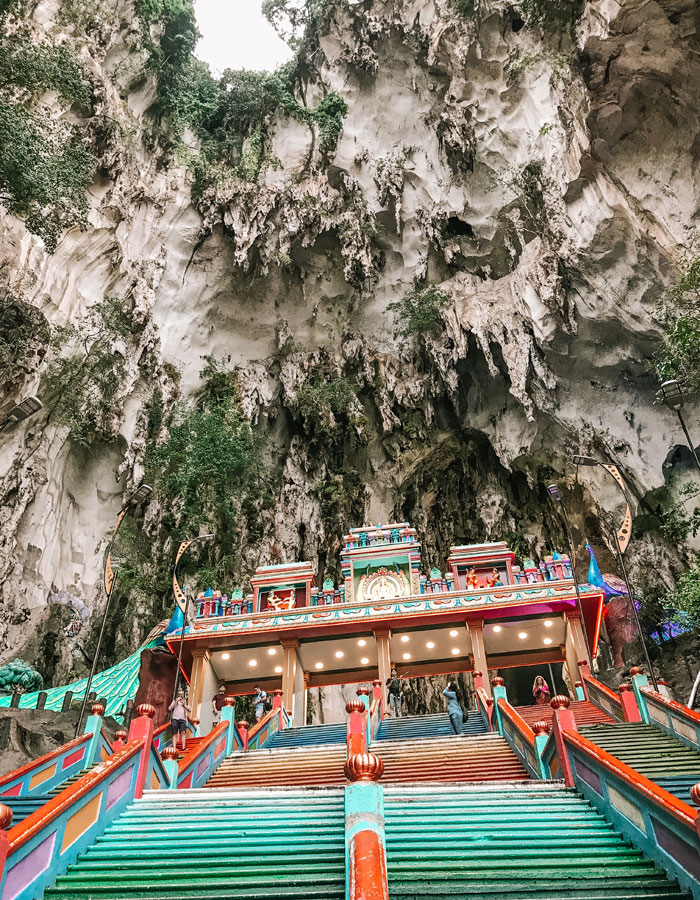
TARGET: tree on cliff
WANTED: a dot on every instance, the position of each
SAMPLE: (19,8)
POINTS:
(17,677)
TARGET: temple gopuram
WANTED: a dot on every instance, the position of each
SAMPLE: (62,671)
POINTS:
(484,612)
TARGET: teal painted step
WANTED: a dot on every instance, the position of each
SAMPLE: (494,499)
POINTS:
(532,842)
(307,735)
(651,752)
(426,726)
(23,806)
(216,845)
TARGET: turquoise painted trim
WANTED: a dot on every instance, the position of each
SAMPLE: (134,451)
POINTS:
(270,726)
(123,766)
(202,765)
(364,811)
(117,684)
(639,682)
(228,714)
(517,740)
(368,724)
(547,753)
(672,718)
(646,824)
(155,769)
(18,783)
(93,727)
(171,770)
(499,693)
(580,693)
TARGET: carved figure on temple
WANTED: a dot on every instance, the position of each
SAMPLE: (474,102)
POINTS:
(472,578)
(494,579)
(281,603)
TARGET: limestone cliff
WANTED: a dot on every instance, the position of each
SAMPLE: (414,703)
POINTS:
(538,175)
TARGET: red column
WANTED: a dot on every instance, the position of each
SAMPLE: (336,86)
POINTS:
(141,728)
(630,710)
(357,727)
(563,720)
(478,680)
(243,731)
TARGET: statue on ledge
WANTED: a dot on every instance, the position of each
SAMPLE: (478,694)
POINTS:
(472,579)
(281,603)
(494,579)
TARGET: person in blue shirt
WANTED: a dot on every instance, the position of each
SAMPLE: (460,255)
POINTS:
(260,698)
(454,708)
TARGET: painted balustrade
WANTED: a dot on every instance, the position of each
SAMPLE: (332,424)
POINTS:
(365,839)
(664,828)
(670,716)
(604,698)
(49,840)
(198,765)
(484,703)
(522,740)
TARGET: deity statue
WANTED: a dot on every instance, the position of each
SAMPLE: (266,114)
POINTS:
(494,579)
(472,578)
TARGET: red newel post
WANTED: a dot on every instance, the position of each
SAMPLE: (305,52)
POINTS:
(243,732)
(478,680)
(563,720)
(357,727)
(5,823)
(585,672)
(141,728)
(377,690)
(120,739)
(630,710)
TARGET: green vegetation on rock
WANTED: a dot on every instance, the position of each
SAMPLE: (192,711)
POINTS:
(18,677)
(679,356)
(419,312)
(684,602)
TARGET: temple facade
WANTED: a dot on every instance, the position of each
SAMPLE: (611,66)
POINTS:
(484,612)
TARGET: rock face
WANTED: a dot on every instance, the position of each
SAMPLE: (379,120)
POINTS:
(547,186)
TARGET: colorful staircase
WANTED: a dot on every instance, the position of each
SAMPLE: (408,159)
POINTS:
(585,713)
(23,806)
(444,759)
(653,753)
(223,845)
(308,735)
(537,841)
(426,726)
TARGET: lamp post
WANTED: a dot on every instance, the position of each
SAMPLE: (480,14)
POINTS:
(23,410)
(182,601)
(555,493)
(109,578)
(671,394)
(622,538)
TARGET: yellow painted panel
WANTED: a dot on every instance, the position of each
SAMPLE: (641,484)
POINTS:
(155,781)
(42,776)
(80,821)
(104,754)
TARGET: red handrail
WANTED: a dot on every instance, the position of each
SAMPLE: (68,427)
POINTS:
(604,689)
(657,795)
(201,747)
(517,720)
(261,723)
(37,763)
(33,824)
(677,707)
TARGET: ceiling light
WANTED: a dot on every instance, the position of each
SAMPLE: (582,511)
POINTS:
(364,660)
(548,623)
(404,638)
(278,669)
(547,640)
(406,655)
(455,651)
(272,651)
(226,656)
(430,645)
(454,632)
(522,635)
(496,628)
(252,663)
(339,654)
(319,665)
(362,643)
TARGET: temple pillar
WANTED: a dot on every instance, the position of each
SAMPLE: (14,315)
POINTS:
(293,688)
(383,639)
(575,627)
(200,670)
(475,630)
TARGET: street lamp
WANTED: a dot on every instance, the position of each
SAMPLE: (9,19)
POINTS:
(555,493)
(622,538)
(23,410)
(109,578)
(671,394)
(182,601)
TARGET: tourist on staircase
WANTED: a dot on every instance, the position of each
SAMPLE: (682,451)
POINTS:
(540,691)
(395,698)
(454,707)
(178,710)
(260,698)
(217,703)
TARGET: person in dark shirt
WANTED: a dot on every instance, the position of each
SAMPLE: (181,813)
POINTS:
(454,707)
(394,685)
(217,703)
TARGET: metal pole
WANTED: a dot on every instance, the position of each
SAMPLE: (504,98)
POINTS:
(185,615)
(636,613)
(551,678)
(687,437)
(567,528)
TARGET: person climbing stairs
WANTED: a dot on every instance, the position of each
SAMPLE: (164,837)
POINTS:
(224,845)
(652,752)
(427,726)
(535,841)
(457,758)
(585,713)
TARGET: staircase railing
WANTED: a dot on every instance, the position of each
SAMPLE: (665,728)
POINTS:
(527,744)
(604,698)
(198,765)
(656,822)
(668,715)
(484,705)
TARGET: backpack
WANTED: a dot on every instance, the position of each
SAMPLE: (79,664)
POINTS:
(268,703)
